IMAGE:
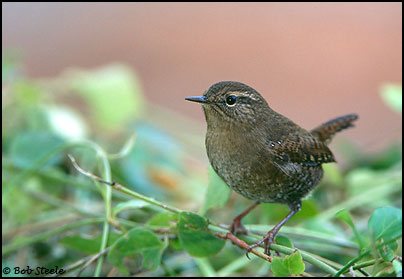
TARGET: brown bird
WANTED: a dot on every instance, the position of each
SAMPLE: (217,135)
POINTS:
(260,153)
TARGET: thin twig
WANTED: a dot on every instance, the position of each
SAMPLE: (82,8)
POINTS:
(361,271)
(123,189)
(92,259)
(71,267)
(240,243)
(86,261)
(89,174)
(125,149)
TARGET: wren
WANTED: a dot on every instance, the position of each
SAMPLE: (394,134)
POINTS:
(260,153)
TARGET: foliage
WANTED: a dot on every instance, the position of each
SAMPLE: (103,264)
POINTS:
(137,241)
(195,237)
(55,216)
(289,265)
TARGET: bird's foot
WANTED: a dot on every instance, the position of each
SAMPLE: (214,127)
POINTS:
(237,227)
(268,239)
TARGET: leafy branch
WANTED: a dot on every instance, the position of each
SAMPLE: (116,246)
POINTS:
(212,226)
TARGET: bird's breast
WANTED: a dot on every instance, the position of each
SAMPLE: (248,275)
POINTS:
(246,165)
(240,161)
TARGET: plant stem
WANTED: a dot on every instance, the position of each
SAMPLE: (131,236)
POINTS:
(346,267)
(205,267)
(307,234)
(106,193)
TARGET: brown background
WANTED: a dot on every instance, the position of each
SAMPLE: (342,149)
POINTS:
(311,61)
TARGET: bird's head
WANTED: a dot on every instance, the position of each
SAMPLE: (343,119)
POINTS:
(231,102)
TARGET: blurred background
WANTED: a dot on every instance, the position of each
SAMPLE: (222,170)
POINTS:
(106,82)
(311,61)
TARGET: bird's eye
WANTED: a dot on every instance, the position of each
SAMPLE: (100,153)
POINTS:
(231,100)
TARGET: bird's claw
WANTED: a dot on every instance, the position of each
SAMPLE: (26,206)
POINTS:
(268,239)
(246,253)
(249,249)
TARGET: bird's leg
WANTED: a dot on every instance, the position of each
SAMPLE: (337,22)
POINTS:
(236,226)
(269,237)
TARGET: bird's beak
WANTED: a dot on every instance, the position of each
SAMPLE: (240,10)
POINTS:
(198,99)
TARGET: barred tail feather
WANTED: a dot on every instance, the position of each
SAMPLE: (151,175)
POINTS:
(326,131)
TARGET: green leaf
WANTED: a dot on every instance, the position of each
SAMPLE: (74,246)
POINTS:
(195,237)
(295,263)
(175,244)
(87,245)
(386,222)
(28,147)
(137,241)
(346,217)
(284,241)
(132,204)
(113,94)
(163,219)
(289,265)
(217,194)
(387,251)
(392,95)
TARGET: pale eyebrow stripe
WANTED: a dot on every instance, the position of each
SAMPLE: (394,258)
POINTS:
(237,93)
(245,94)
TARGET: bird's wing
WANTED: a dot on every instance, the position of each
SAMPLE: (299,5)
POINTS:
(292,151)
